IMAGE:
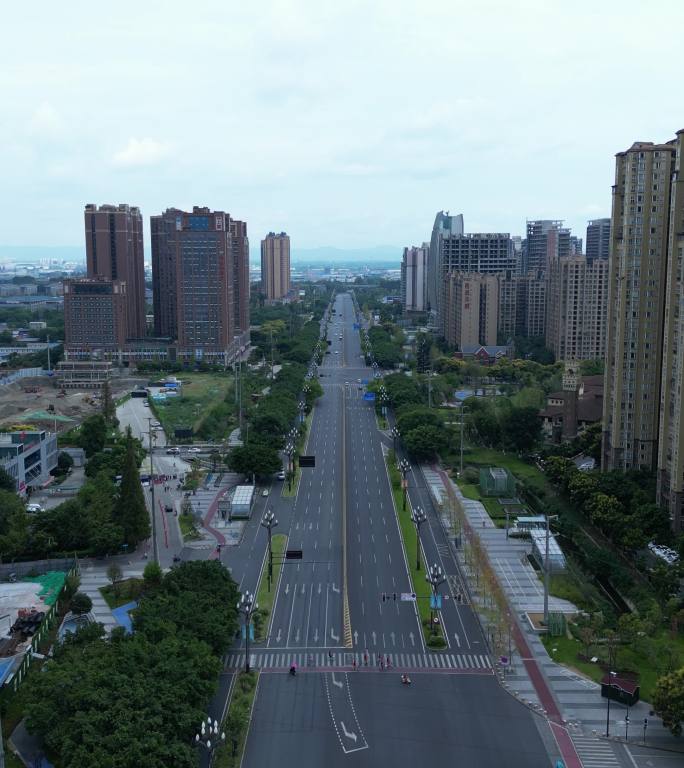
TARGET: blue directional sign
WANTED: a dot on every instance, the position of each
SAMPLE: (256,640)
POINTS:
(436,603)
(357,327)
(364,382)
(369,396)
(251,631)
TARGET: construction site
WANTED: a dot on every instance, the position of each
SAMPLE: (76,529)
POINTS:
(40,401)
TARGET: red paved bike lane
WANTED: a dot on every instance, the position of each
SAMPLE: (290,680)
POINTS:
(220,538)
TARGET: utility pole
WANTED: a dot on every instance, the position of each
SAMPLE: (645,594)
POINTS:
(48,351)
(155,556)
(430,387)
(462,430)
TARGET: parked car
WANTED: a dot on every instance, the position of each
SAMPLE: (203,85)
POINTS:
(264,492)
(172,451)
(146,403)
(194,450)
(156,424)
(33,508)
(281,475)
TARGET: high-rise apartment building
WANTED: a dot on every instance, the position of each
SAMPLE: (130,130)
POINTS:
(642,252)
(471,309)
(534,305)
(444,226)
(95,316)
(522,304)
(546,239)
(275,265)
(114,251)
(481,253)
(414,278)
(576,307)
(200,282)
(671,428)
(598,239)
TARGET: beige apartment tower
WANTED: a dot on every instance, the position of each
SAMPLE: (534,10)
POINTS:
(275,265)
(471,309)
(643,237)
(671,438)
(576,306)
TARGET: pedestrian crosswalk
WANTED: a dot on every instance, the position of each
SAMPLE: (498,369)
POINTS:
(595,753)
(414,661)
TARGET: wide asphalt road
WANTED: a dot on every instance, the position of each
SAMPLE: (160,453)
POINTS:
(456,714)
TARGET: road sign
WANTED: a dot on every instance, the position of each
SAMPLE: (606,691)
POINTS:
(364,382)
(436,602)
(307,461)
(369,396)
(408,597)
(293,554)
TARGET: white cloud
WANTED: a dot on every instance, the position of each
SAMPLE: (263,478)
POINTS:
(141,152)
(45,121)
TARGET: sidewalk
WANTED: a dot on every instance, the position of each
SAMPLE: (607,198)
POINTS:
(94,577)
(571,702)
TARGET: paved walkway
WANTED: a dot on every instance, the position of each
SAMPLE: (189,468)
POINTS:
(572,703)
(94,577)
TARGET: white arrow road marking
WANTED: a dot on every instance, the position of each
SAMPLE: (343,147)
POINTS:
(303,589)
(348,734)
(278,635)
(297,636)
(356,637)
(458,641)
(319,587)
(392,638)
(338,683)
(335,637)
(374,636)
(412,638)
(316,635)
(287,589)
(334,588)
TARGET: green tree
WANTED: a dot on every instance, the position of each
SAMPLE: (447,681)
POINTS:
(418,416)
(152,574)
(606,512)
(254,458)
(423,443)
(581,486)
(14,525)
(521,429)
(93,434)
(108,407)
(81,603)
(114,575)
(64,462)
(668,701)
(560,470)
(131,511)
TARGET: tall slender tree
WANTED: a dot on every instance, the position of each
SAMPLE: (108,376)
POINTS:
(131,512)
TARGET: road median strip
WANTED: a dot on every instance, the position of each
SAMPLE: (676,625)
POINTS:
(266,597)
(420,587)
(237,721)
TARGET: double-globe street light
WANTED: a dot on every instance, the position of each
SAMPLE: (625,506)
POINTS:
(395,434)
(269,522)
(435,578)
(403,466)
(209,736)
(418,517)
(246,606)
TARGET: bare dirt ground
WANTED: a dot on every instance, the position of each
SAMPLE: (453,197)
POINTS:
(16,401)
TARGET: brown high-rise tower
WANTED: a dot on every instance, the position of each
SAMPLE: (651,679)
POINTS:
(200,279)
(114,251)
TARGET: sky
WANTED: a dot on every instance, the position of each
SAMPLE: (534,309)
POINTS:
(346,124)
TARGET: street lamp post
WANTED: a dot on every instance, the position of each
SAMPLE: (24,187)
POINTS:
(289,450)
(395,434)
(463,410)
(246,606)
(403,467)
(418,517)
(302,408)
(209,737)
(269,522)
(435,578)
(611,675)
(153,436)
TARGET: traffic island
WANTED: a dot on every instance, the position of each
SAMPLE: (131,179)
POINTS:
(236,724)
(266,596)
(290,485)
(433,632)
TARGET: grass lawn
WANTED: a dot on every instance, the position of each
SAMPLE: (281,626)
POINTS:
(649,660)
(265,597)
(188,527)
(408,536)
(202,405)
(485,457)
(125,592)
(236,724)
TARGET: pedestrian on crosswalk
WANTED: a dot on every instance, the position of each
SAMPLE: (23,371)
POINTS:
(330,657)
(365,658)
(388,662)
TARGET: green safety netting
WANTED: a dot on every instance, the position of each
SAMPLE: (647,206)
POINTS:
(51,583)
(45,416)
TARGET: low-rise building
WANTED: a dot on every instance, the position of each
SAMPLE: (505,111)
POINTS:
(83,374)
(28,457)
